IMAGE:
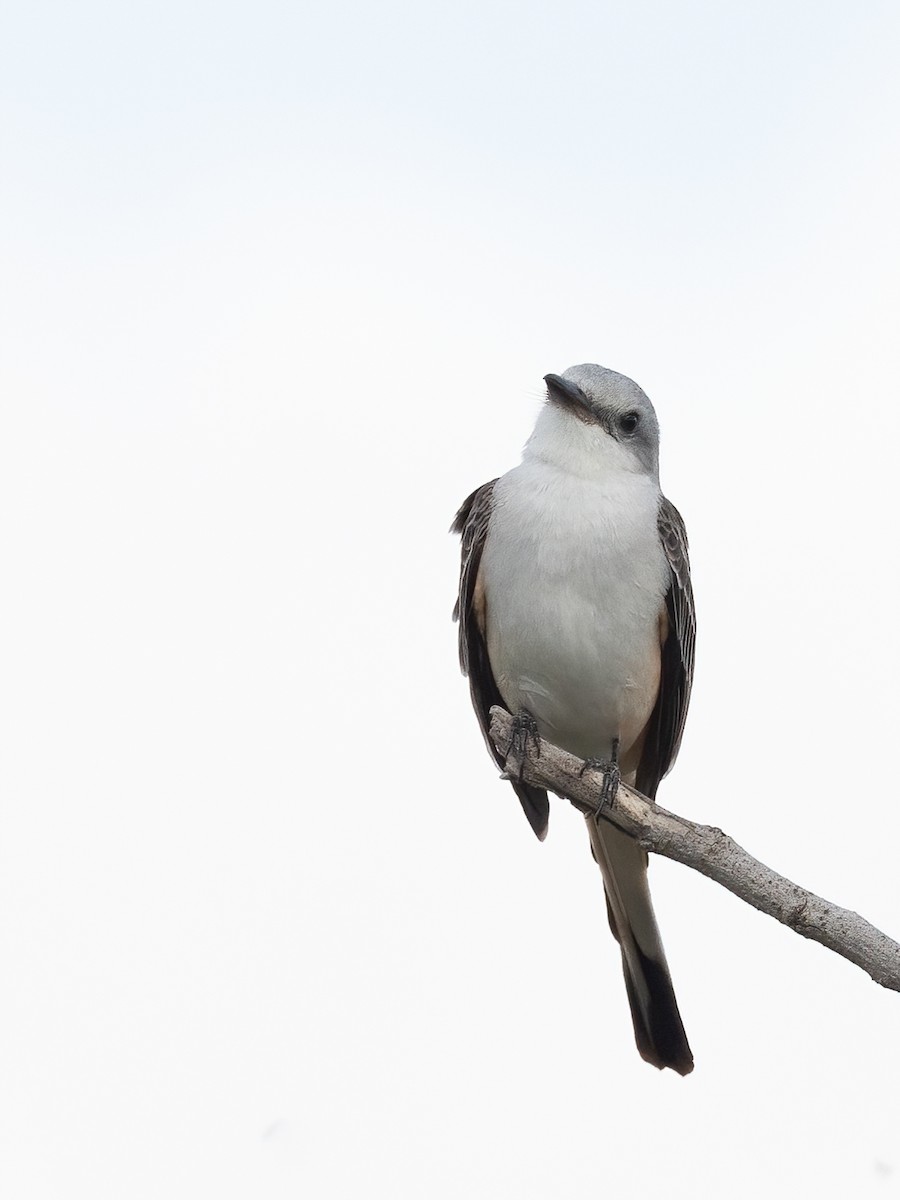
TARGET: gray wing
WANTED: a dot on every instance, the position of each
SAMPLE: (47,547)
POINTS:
(677,668)
(472,523)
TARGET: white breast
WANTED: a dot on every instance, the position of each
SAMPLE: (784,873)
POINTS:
(575,578)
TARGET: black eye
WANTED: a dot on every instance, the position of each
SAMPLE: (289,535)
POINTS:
(628,422)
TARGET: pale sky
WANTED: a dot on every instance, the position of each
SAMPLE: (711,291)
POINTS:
(279,287)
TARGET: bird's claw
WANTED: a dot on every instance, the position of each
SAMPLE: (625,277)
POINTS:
(611,780)
(524,727)
(612,776)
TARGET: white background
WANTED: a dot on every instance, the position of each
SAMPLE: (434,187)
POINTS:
(279,285)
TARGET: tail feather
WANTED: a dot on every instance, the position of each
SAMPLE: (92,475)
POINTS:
(658,1030)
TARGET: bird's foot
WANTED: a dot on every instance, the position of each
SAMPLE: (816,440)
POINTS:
(524,727)
(612,776)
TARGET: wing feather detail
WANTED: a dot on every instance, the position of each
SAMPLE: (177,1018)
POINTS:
(472,523)
(677,667)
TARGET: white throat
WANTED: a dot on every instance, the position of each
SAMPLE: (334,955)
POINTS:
(579,448)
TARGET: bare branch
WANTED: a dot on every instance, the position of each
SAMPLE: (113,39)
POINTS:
(712,853)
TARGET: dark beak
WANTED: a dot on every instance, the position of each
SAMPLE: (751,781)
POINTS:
(569,395)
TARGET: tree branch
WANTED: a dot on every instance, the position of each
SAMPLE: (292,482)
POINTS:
(709,851)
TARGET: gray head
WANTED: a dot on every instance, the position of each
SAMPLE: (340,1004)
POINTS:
(603,413)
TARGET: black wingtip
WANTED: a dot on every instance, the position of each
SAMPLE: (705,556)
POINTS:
(535,805)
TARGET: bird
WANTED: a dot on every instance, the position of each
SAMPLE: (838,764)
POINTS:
(576,614)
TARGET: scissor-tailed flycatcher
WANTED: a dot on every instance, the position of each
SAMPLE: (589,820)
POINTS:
(576,614)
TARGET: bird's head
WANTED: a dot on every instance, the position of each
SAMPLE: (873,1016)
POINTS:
(596,421)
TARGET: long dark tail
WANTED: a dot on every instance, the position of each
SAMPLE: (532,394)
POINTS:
(658,1030)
